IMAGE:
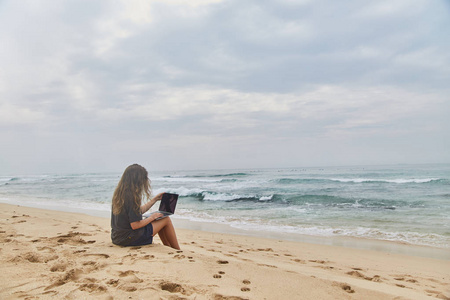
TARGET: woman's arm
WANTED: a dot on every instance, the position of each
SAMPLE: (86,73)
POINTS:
(150,203)
(146,221)
(144,208)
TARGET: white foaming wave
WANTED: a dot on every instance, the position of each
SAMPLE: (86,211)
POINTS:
(424,239)
(399,180)
(224,197)
(266,198)
(425,180)
(181,191)
(6,179)
(208,196)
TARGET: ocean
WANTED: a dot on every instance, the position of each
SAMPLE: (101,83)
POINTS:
(400,203)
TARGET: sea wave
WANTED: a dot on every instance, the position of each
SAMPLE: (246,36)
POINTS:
(181,191)
(293,200)
(230,175)
(209,196)
(236,174)
(205,195)
(356,180)
(398,180)
(293,181)
(6,179)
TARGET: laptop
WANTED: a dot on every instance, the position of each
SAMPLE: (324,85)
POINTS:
(167,205)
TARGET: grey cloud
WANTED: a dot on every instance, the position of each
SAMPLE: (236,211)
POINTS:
(229,76)
(265,59)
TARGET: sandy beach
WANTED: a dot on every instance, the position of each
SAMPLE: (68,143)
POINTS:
(50,254)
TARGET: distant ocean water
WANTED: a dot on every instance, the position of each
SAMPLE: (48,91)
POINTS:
(404,203)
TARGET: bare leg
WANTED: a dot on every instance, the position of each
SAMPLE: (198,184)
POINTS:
(163,237)
(166,231)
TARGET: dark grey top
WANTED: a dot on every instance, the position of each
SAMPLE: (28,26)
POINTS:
(121,232)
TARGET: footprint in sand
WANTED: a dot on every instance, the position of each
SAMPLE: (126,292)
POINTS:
(171,287)
(269,266)
(437,294)
(375,278)
(403,278)
(130,276)
(59,267)
(245,288)
(266,249)
(113,282)
(91,264)
(69,276)
(344,286)
(92,287)
(318,261)
(34,257)
(73,238)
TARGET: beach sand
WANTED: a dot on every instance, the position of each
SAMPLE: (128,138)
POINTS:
(50,254)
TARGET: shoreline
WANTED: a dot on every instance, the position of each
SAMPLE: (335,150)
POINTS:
(344,241)
(48,254)
(340,241)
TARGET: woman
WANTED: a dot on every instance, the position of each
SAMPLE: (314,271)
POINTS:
(128,227)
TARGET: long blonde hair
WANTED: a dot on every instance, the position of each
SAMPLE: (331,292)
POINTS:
(134,183)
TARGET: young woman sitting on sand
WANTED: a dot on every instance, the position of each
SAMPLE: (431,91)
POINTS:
(127,226)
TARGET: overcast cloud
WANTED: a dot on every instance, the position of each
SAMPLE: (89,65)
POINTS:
(89,86)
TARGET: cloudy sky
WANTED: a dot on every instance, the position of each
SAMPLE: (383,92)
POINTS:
(89,86)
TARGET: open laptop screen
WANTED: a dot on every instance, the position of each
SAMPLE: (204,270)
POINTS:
(168,202)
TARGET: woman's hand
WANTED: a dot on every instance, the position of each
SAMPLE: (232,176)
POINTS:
(156,216)
(150,203)
(158,197)
(146,221)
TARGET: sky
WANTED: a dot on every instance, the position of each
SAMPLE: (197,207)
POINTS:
(93,86)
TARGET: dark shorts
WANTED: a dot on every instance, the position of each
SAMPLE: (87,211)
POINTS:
(146,238)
